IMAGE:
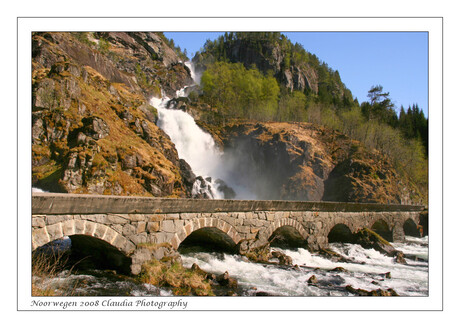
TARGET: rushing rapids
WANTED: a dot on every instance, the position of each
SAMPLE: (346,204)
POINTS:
(369,270)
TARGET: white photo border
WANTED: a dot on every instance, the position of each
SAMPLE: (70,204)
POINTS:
(432,25)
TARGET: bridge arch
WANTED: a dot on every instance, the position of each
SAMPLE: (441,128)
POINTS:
(280,225)
(69,228)
(202,223)
(382,227)
(340,233)
(411,228)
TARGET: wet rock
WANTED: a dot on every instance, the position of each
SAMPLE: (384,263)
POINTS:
(262,293)
(338,269)
(229,193)
(260,254)
(201,189)
(195,268)
(282,258)
(333,256)
(399,258)
(376,292)
(312,280)
(369,239)
(227,281)
(187,175)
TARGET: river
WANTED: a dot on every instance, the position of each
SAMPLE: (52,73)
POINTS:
(370,270)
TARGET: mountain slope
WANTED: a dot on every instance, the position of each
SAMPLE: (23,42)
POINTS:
(303,161)
(93,128)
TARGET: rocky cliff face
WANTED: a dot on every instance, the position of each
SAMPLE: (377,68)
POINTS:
(93,129)
(267,55)
(301,161)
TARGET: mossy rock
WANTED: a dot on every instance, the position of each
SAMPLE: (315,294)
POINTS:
(370,239)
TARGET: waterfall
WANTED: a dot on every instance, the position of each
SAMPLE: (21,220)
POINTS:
(193,145)
(215,170)
(196,76)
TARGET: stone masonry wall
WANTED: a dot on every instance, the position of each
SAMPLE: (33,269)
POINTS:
(143,236)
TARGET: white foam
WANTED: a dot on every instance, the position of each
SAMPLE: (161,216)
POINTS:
(409,280)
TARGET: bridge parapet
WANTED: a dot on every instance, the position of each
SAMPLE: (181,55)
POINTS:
(49,203)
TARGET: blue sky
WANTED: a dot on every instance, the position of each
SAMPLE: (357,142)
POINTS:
(396,60)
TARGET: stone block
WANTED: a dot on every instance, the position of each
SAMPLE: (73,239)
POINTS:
(90,228)
(250,236)
(141,227)
(117,219)
(137,217)
(159,217)
(229,220)
(129,248)
(175,242)
(79,227)
(260,215)
(100,231)
(138,238)
(141,255)
(87,217)
(187,216)
(55,231)
(160,237)
(319,225)
(38,221)
(98,218)
(40,237)
(243,229)
(53,219)
(129,230)
(188,229)
(201,222)
(119,242)
(182,234)
(136,269)
(110,235)
(168,226)
(117,227)
(180,223)
(153,226)
(68,228)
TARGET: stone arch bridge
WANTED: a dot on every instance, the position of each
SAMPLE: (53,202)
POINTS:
(140,228)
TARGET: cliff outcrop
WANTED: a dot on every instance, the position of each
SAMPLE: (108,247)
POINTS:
(303,161)
(274,55)
(93,129)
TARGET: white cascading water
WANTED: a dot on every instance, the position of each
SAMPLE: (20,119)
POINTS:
(195,146)
(368,272)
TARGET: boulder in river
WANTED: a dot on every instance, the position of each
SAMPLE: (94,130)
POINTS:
(370,239)
(282,258)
